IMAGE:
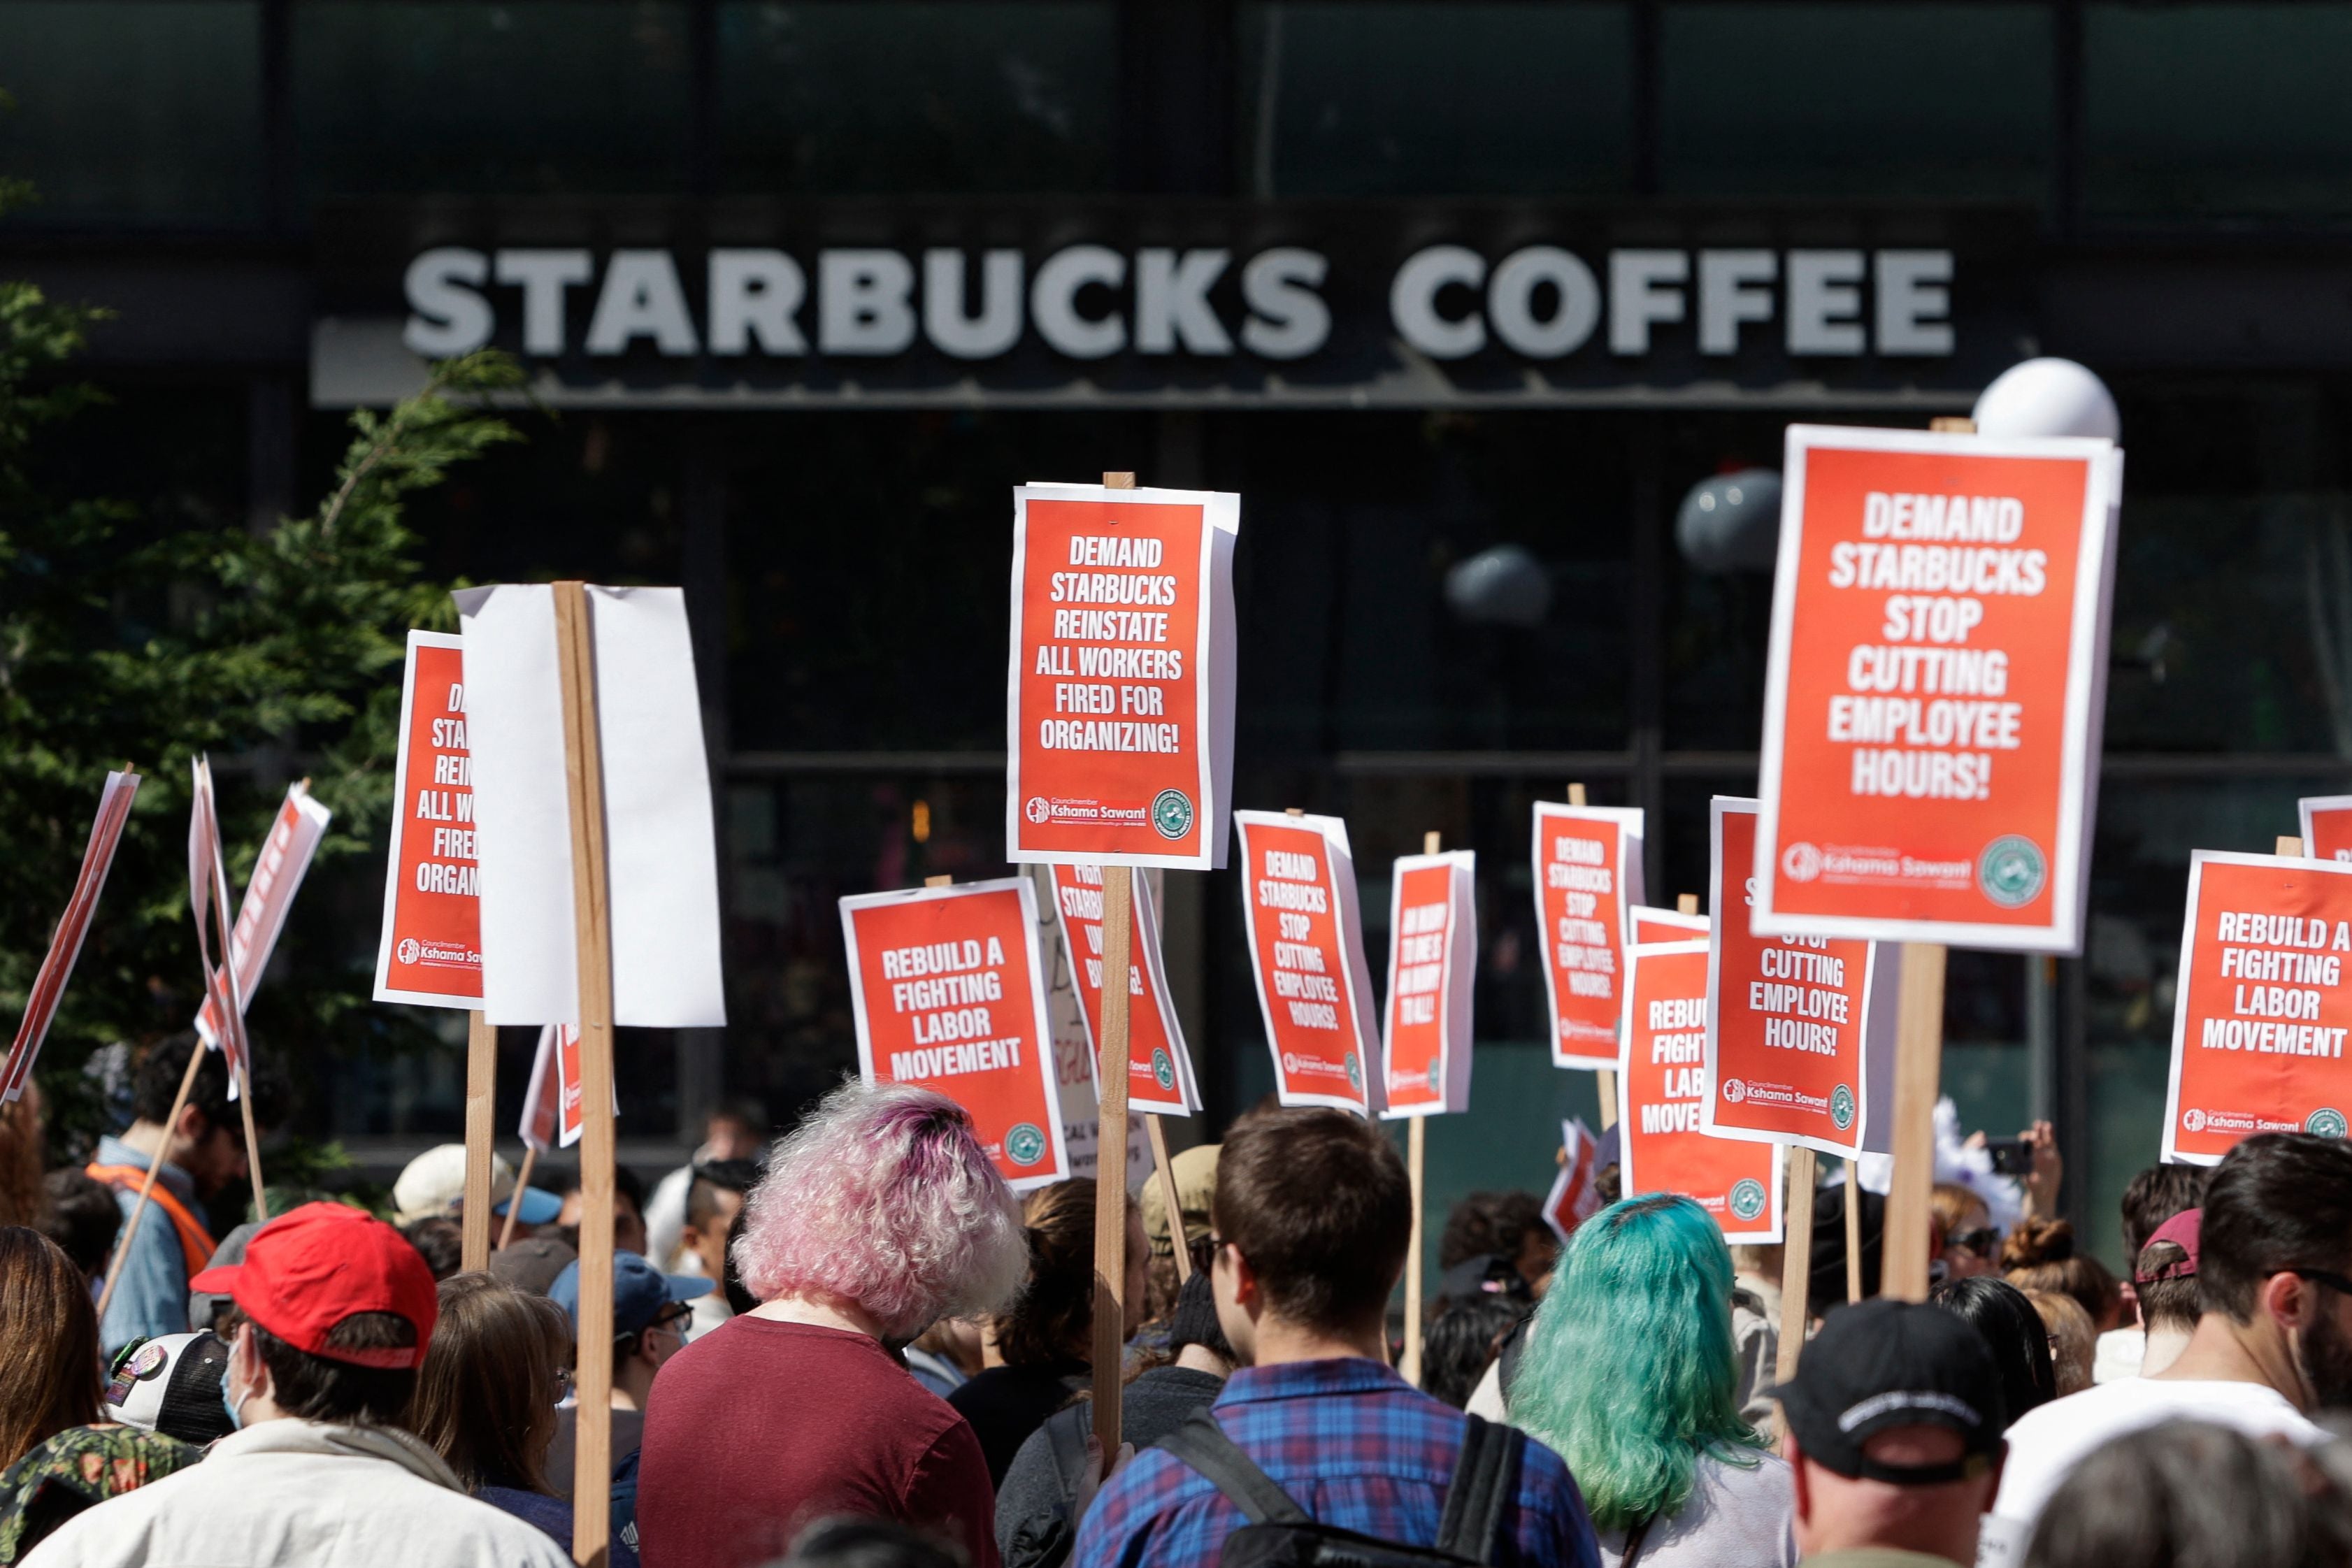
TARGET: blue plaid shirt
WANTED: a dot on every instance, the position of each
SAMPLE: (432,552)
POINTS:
(1357,1447)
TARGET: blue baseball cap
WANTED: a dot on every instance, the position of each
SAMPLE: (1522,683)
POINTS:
(641,1293)
(539,1207)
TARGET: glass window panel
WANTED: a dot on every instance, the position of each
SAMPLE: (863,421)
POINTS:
(1847,100)
(914,97)
(2210,109)
(869,570)
(1410,99)
(547,97)
(133,111)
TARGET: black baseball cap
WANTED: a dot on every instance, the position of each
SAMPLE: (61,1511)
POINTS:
(1881,1365)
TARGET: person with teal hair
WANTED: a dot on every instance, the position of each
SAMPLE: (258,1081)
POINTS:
(1630,1376)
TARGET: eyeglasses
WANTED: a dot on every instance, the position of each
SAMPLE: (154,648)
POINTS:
(1982,1242)
(2334,1282)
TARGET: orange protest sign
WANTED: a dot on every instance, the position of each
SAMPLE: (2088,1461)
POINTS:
(2263,1005)
(1432,969)
(551,1104)
(1573,1198)
(1653,926)
(1789,1019)
(1120,694)
(431,951)
(1160,1070)
(2327,826)
(1587,875)
(949,993)
(278,872)
(1662,1092)
(1935,687)
(64,946)
(1307,951)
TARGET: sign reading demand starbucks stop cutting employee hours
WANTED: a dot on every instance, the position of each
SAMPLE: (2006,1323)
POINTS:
(1937,675)
(1120,694)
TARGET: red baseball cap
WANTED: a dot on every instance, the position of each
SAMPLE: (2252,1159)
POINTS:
(312,1267)
(2183,1230)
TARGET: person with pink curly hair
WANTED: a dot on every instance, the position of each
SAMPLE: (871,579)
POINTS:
(879,1215)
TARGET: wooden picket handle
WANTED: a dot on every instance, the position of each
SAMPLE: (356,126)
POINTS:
(147,1187)
(234,1018)
(583,770)
(1854,1234)
(1604,1081)
(1110,1146)
(1796,1261)
(2288,847)
(514,1204)
(1903,1258)
(1416,1144)
(1164,1173)
(481,1110)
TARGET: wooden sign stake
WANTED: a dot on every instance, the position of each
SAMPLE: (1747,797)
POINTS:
(225,927)
(481,1108)
(1110,1146)
(2289,849)
(1416,1144)
(592,937)
(514,1204)
(147,1187)
(1797,1260)
(1605,1080)
(1918,1071)
(1165,1175)
(1686,904)
(1854,1235)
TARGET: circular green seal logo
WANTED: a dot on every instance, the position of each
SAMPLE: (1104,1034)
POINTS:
(1842,1107)
(1436,1076)
(2010,872)
(1164,1070)
(1355,1071)
(1025,1144)
(1747,1199)
(1171,813)
(2326,1123)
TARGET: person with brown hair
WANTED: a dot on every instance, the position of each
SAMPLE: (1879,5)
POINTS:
(1043,1342)
(1312,1214)
(335,1314)
(486,1393)
(2040,1255)
(2136,1348)
(1971,1240)
(21,1198)
(2070,1339)
(49,1377)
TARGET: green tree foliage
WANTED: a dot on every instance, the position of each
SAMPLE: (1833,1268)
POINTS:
(278,653)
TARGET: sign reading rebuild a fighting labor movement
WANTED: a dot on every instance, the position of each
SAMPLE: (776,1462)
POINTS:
(949,993)
(2327,826)
(1306,950)
(1790,1019)
(1159,1069)
(1587,873)
(2263,1008)
(1120,696)
(1662,1094)
(1432,968)
(431,951)
(1935,687)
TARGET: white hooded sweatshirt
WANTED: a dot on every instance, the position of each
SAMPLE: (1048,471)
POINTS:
(302,1494)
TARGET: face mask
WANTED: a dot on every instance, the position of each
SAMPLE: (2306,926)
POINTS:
(228,1403)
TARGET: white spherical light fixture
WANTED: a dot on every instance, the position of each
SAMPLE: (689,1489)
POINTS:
(2047,397)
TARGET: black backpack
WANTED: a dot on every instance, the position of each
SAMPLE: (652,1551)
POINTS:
(1281,1534)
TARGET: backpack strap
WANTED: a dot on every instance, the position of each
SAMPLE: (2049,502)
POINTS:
(1066,1435)
(1486,1479)
(1201,1443)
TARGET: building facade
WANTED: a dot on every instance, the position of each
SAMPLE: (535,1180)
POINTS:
(805,288)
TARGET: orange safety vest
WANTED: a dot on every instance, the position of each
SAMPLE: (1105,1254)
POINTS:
(196,1243)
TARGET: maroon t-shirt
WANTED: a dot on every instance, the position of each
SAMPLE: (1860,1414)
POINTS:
(759,1429)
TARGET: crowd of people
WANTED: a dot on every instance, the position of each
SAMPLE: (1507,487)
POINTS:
(859,1348)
